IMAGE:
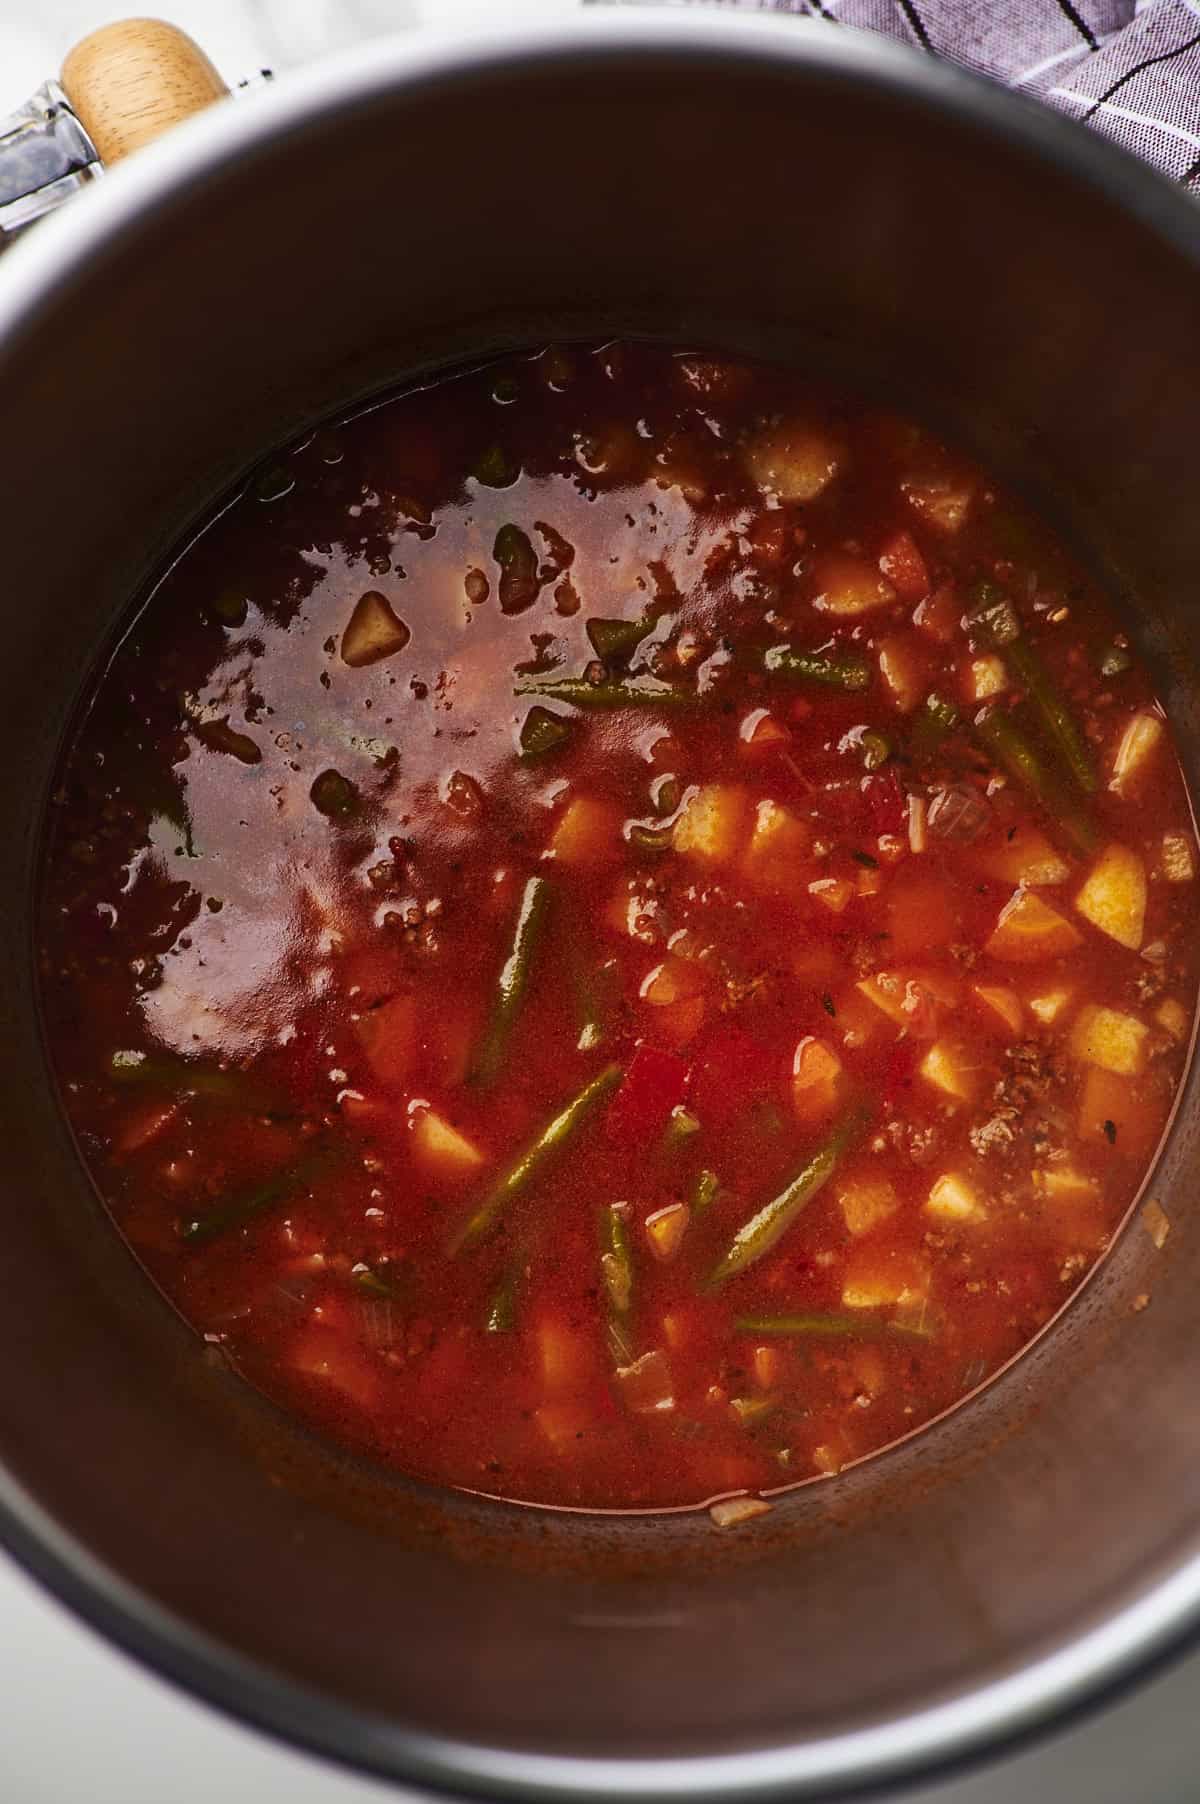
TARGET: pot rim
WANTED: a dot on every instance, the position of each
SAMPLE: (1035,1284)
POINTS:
(1078,1674)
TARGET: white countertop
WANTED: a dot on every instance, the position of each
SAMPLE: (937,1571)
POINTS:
(79,1721)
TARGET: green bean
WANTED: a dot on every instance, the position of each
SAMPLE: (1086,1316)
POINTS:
(761,1232)
(876,749)
(597,989)
(828,1327)
(681,1125)
(616,640)
(633,693)
(365,1277)
(196,1230)
(542,733)
(997,623)
(520,1175)
(163,1071)
(616,1266)
(844,672)
(704,1191)
(513,982)
(936,721)
(650,839)
(1004,741)
(501,1316)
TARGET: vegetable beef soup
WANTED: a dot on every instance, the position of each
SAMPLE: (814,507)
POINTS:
(620,930)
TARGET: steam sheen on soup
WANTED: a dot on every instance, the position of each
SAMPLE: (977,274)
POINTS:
(620,929)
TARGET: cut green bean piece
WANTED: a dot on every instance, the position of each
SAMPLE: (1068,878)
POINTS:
(501,1315)
(936,720)
(196,1230)
(835,672)
(616,640)
(828,1327)
(704,1191)
(365,1277)
(542,733)
(763,1230)
(997,623)
(635,693)
(495,469)
(649,839)
(181,1077)
(513,982)
(616,1267)
(537,1155)
(1004,741)
(681,1125)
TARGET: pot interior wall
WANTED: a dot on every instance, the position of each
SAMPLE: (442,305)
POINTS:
(805,208)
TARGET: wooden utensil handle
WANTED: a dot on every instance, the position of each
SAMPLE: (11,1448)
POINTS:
(131,81)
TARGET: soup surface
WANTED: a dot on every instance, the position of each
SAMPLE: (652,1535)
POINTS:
(620,930)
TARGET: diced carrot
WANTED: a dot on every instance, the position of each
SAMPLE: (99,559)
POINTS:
(818,1080)
(1029,930)
(866,1199)
(856,1021)
(999,1005)
(914,1001)
(904,567)
(390,1038)
(588,833)
(904,667)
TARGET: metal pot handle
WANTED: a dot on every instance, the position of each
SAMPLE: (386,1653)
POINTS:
(120,87)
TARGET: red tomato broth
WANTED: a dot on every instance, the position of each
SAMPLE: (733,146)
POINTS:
(284,877)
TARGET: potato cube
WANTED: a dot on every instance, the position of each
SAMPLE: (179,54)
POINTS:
(712,825)
(865,1201)
(941,500)
(1135,752)
(779,844)
(1114,896)
(952,1069)
(1173,1018)
(818,1079)
(1178,860)
(904,667)
(952,1198)
(1029,930)
(999,1005)
(441,1148)
(912,999)
(665,1229)
(793,460)
(1023,855)
(832,893)
(846,586)
(1063,1184)
(874,1280)
(1050,1004)
(588,833)
(983,677)
(1114,1041)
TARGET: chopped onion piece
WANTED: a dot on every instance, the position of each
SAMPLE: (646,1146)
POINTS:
(733,1510)
(917,815)
(1156,1222)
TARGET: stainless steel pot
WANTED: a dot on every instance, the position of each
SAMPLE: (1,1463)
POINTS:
(751,182)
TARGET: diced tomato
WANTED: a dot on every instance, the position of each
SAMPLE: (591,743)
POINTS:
(886,802)
(655,1083)
(904,567)
(732,1073)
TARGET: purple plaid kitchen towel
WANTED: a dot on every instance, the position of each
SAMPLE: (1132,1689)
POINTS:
(1130,70)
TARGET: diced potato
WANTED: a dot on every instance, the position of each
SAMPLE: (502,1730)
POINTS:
(938,498)
(1023,855)
(766,1367)
(1029,930)
(911,999)
(846,586)
(999,1005)
(832,893)
(1114,896)
(373,631)
(676,992)
(730,1512)
(1173,1018)
(793,460)
(1049,1005)
(874,1280)
(952,1069)
(983,677)
(1063,1184)
(779,844)
(952,1198)
(588,833)
(713,823)
(1117,1111)
(904,667)
(441,1148)
(1178,860)
(865,1201)
(1135,753)
(563,1424)
(564,1357)
(389,1036)
(645,1386)
(818,1080)
(665,1229)
(1110,1039)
